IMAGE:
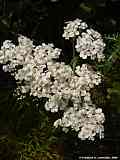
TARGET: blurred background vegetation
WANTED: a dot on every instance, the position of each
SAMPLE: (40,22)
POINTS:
(26,131)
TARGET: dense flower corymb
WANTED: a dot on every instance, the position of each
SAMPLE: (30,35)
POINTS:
(72,28)
(86,121)
(41,75)
(89,43)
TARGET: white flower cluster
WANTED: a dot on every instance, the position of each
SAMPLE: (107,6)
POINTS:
(89,43)
(16,55)
(72,29)
(7,52)
(36,69)
(33,60)
(86,121)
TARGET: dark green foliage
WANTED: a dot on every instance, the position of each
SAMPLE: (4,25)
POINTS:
(111,71)
(27,131)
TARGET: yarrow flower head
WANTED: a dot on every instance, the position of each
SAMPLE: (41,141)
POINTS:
(72,29)
(86,121)
(36,71)
(90,44)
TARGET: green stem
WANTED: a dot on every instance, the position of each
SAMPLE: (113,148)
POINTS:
(73,47)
